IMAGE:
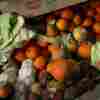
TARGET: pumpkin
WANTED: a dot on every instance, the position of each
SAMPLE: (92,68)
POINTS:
(40,63)
(84,50)
(32,52)
(19,55)
(96,28)
(67,13)
(77,20)
(87,22)
(61,24)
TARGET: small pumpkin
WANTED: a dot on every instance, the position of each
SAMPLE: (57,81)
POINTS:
(84,50)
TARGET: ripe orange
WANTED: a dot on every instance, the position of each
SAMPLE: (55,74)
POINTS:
(61,24)
(84,50)
(32,52)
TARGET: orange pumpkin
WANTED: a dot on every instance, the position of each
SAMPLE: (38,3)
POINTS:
(40,63)
(96,28)
(61,24)
(84,50)
(19,55)
(67,14)
(87,22)
(32,52)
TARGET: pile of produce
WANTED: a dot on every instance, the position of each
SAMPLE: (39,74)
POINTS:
(48,63)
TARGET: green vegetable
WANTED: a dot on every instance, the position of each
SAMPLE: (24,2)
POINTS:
(12,35)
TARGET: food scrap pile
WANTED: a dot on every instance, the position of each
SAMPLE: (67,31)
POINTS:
(46,63)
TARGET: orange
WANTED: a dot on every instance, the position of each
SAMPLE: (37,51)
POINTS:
(96,27)
(4,92)
(87,22)
(61,24)
(98,8)
(77,20)
(84,50)
(40,62)
(19,56)
(59,68)
(51,31)
(55,51)
(49,18)
(67,14)
(32,52)
(98,17)
(56,68)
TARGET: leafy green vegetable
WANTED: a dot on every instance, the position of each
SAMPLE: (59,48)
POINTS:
(12,34)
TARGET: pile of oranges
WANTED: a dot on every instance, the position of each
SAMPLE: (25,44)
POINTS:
(50,57)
